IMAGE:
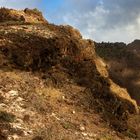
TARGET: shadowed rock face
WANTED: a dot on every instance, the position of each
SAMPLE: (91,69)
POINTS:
(123,65)
(37,58)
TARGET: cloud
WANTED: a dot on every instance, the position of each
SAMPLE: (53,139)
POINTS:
(102,20)
(122,11)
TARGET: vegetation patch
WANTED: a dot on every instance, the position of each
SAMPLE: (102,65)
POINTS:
(6,117)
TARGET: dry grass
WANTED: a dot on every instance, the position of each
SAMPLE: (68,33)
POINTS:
(60,84)
(23,16)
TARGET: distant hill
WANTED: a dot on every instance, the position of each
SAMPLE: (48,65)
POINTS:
(123,64)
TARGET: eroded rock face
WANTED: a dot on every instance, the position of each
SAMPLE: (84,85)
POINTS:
(45,62)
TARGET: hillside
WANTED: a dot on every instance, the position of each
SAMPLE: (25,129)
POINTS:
(53,85)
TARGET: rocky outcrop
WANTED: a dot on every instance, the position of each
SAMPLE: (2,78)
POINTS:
(26,16)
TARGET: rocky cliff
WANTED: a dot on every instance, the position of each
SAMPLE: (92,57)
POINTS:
(53,85)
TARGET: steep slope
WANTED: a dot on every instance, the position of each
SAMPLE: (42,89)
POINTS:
(54,86)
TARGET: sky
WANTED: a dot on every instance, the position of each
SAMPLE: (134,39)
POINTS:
(100,20)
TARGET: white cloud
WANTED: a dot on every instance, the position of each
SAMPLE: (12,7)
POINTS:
(103,23)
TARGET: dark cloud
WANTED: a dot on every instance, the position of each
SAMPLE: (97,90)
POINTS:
(122,11)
